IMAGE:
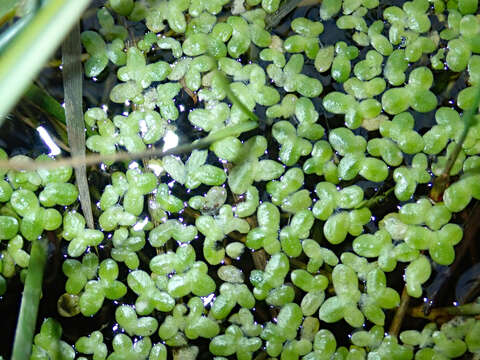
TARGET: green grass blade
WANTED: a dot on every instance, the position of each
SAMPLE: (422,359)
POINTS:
(32,291)
(43,101)
(72,85)
(24,57)
(46,102)
(13,30)
(25,9)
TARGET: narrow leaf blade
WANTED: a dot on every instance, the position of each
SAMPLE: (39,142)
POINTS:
(72,85)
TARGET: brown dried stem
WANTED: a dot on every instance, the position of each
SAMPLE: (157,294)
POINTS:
(396,324)
(443,314)
(30,164)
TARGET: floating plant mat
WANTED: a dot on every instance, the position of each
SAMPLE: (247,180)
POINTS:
(269,180)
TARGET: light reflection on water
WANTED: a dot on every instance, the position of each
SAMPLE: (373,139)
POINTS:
(170,140)
(140,224)
(47,139)
(208,299)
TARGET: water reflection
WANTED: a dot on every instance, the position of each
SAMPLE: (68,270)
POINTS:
(47,139)
(170,140)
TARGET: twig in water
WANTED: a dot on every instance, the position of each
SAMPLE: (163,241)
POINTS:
(285,9)
(445,313)
(400,313)
(30,164)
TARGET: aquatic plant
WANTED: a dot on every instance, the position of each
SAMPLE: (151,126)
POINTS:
(267,193)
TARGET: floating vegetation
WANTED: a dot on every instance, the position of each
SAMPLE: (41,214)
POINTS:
(266,189)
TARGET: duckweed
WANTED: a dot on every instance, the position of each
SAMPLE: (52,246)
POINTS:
(251,246)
